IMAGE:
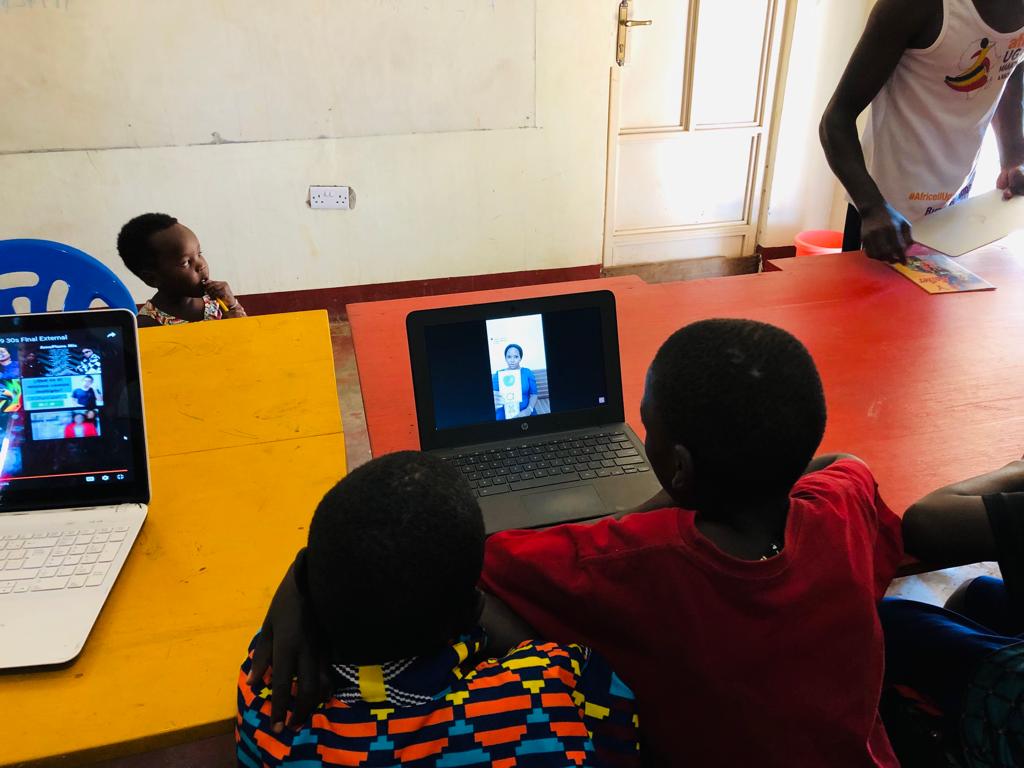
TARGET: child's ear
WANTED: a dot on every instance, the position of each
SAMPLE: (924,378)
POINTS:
(682,475)
(150,277)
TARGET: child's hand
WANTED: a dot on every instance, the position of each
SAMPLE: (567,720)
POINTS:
(218,289)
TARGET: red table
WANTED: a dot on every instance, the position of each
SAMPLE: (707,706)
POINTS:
(927,389)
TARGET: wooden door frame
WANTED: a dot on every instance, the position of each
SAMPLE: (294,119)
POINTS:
(778,37)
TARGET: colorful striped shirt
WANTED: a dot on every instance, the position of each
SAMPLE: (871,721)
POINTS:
(541,705)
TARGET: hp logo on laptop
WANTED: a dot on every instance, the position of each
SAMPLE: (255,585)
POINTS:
(524,426)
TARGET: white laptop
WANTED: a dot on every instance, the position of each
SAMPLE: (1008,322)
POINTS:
(74,481)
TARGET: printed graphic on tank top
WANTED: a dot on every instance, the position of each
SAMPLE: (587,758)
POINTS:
(929,120)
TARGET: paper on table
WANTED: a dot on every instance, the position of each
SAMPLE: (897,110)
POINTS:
(971,224)
(936,273)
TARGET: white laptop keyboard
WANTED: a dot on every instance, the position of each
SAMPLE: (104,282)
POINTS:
(42,561)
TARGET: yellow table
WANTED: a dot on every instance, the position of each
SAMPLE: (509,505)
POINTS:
(243,444)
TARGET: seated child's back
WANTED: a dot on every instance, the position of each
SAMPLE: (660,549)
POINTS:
(742,609)
(165,254)
(390,574)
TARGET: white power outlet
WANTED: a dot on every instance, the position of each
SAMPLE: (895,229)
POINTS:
(339,198)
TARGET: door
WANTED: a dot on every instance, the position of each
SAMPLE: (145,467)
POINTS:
(689,117)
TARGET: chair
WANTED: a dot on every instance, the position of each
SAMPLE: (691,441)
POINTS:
(42,276)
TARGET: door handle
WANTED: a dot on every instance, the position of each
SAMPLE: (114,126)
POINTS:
(625,23)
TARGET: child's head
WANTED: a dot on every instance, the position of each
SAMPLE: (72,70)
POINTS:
(734,411)
(78,418)
(395,551)
(164,254)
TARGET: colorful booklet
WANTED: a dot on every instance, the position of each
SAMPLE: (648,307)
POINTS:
(936,273)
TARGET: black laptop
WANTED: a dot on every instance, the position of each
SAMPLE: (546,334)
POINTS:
(525,399)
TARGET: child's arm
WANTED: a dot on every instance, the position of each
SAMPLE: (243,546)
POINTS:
(660,500)
(827,460)
(950,526)
(505,629)
(288,648)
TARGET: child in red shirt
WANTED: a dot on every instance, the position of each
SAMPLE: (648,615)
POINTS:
(741,606)
(742,611)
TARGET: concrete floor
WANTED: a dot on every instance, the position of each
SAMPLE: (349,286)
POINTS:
(218,752)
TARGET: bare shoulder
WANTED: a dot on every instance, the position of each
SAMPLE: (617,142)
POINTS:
(915,23)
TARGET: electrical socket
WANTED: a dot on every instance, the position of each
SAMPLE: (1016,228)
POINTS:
(338,198)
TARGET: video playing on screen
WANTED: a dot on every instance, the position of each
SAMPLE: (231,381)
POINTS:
(516,367)
(56,415)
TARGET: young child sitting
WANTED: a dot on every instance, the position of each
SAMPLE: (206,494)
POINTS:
(740,604)
(389,577)
(967,659)
(165,255)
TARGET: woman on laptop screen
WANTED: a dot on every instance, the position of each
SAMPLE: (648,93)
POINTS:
(515,388)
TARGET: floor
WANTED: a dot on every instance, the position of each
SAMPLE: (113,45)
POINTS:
(219,751)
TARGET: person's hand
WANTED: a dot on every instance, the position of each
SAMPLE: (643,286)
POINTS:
(288,641)
(885,233)
(218,289)
(1011,181)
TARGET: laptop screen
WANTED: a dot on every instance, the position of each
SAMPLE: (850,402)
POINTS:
(70,411)
(541,362)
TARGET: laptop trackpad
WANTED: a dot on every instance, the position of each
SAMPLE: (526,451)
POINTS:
(563,504)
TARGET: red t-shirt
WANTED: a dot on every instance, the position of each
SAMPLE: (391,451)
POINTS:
(734,663)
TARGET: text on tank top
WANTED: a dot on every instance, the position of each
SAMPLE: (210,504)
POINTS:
(929,120)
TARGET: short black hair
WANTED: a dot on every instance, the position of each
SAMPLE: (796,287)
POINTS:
(133,240)
(90,378)
(746,401)
(514,346)
(394,555)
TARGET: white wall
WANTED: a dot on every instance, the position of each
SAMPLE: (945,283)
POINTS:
(804,193)
(429,205)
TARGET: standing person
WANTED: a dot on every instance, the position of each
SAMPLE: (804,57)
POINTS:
(936,74)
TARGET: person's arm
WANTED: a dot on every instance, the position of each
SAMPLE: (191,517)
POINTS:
(660,500)
(530,392)
(891,28)
(1008,125)
(285,641)
(950,526)
(532,405)
(505,629)
(827,460)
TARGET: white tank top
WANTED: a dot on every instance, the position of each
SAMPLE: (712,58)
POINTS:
(928,121)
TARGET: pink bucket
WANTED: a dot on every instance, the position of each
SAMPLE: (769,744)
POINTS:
(816,241)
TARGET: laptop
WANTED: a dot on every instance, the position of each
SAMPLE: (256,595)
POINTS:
(524,398)
(74,481)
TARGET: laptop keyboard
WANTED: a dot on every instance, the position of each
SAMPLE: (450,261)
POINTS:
(43,561)
(517,468)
